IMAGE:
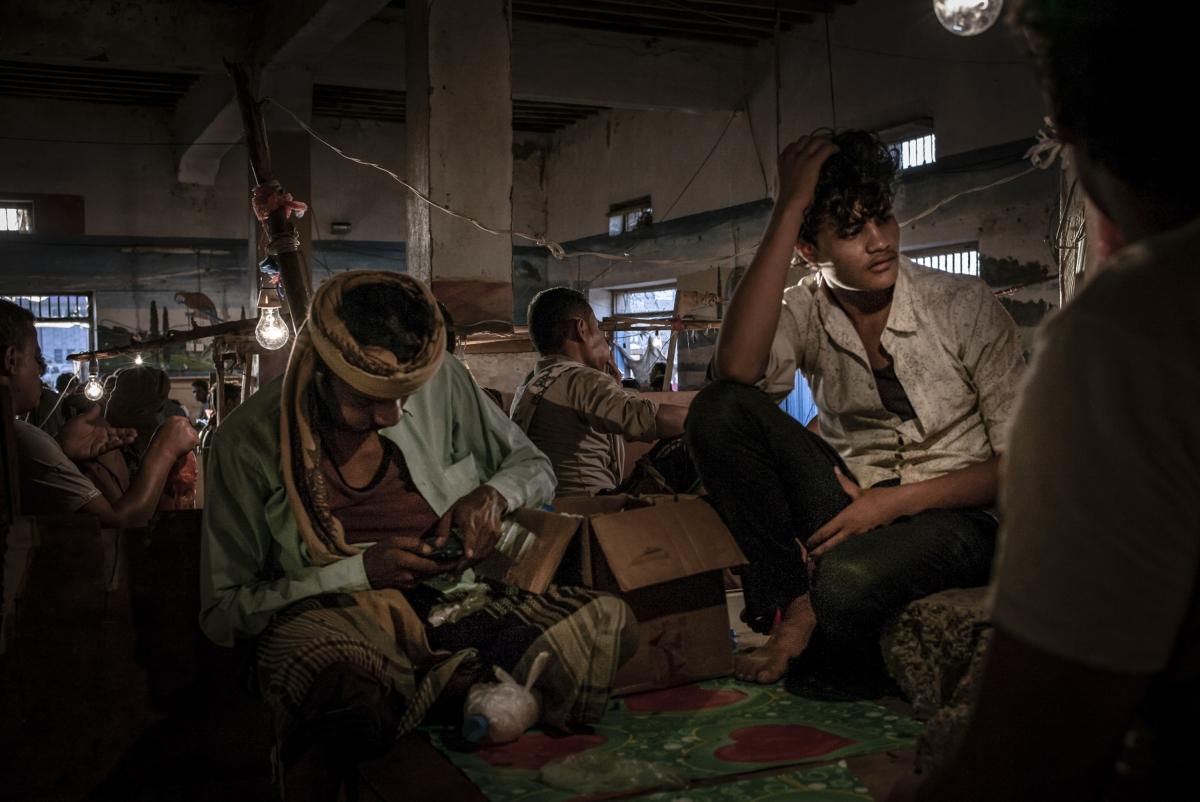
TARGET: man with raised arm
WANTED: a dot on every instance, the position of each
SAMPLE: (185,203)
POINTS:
(914,374)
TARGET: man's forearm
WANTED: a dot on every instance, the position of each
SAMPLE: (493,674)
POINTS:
(973,486)
(753,313)
(137,505)
(669,419)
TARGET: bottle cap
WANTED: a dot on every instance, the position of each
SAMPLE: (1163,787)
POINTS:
(475,728)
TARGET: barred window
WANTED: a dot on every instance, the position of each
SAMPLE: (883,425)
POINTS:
(16,216)
(962,258)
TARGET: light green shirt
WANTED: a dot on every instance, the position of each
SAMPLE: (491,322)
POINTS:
(253,561)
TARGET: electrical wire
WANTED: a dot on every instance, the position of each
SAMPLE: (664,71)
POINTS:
(829,65)
(74,380)
(762,168)
(55,141)
(1043,155)
(699,169)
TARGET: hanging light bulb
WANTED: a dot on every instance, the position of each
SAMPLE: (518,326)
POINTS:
(271,332)
(137,360)
(93,390)
(967,17)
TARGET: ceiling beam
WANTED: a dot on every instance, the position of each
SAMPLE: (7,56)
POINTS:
(601,68)
(297,33)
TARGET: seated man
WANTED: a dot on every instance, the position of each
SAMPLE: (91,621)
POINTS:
(572,406)
(200,393)
(50,480)
(913,371)
(331,494)
(1091,686)
(140,400)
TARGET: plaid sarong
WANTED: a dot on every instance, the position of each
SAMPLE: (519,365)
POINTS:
(588,634)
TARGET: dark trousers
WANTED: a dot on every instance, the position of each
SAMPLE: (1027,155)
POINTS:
(772,482)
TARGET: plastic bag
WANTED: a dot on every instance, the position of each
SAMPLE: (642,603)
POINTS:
(594,772)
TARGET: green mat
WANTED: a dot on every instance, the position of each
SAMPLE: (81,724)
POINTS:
(833,783)
(709,729)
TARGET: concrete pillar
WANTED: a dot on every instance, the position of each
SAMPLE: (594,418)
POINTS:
(459,152)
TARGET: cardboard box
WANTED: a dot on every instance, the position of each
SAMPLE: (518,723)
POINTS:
(662,555)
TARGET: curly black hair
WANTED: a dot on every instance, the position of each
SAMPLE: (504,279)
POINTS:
(856,184)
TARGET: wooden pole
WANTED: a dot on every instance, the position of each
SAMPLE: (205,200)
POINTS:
(672,349)
(199,333)
(297,285)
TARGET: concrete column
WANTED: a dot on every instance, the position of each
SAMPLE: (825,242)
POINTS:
(459,152)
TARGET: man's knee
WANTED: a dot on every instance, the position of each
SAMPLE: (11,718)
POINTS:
(844,597)
(616,616)
(721,406)
(347,712)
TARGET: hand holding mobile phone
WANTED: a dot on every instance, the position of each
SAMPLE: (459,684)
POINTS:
(451,550)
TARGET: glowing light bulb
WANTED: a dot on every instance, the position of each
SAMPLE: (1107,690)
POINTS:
(93,390)
(271,332)
(967,17)
(137,360)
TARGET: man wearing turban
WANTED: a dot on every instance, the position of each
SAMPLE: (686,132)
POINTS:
(330,495)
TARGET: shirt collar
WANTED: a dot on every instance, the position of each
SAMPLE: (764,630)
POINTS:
(901,316)
(551,359)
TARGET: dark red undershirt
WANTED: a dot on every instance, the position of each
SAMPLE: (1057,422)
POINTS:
(389,504)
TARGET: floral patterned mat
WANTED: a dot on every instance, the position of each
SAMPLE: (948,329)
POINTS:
(832,783)
(693,732)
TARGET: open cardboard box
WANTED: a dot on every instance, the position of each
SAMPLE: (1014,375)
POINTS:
(663,555)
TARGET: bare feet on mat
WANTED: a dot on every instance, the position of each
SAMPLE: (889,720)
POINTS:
(789,639)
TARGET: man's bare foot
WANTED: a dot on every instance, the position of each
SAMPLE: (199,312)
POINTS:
(789,639)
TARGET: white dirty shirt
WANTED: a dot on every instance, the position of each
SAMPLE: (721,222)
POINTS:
(1099,556)
(955,351)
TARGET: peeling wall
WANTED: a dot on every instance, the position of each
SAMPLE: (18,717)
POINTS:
(892,63)
(502,372)
(621,155)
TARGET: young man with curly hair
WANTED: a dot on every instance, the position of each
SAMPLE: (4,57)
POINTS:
(914,373)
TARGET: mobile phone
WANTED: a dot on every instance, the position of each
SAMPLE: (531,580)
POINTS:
(452,549)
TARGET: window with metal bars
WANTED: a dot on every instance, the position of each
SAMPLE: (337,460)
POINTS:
(16,216)
(629,215)
(962,259)
(648,303)
(64,326)
(916,151)
(55,307)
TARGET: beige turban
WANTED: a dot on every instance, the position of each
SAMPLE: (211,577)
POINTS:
(370,370)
